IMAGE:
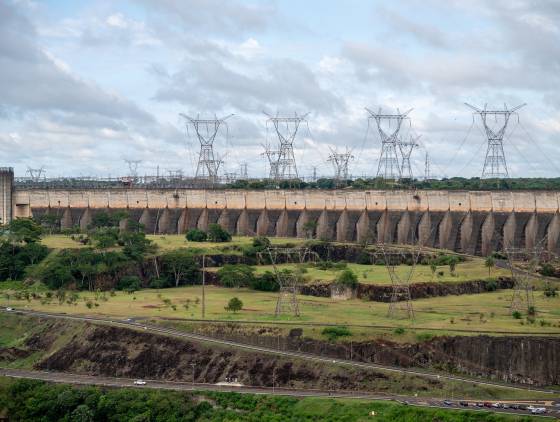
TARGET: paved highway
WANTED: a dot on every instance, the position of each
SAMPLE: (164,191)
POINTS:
(299,355)
(67,378)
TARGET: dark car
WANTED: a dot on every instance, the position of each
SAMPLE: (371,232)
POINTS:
(480,405)
(514,406)
(487,404)
(464,403)
(522,407)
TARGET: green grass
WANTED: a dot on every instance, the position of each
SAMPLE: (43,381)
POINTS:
(377,274)
(478,312)
(170,242)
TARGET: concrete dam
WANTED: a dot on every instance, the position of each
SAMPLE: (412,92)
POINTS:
(474,222)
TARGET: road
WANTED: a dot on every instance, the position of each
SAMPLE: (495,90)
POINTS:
(75,379)
(293,354)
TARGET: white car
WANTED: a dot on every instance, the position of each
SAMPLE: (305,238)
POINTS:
(538,410)
(139,382)
(9,309)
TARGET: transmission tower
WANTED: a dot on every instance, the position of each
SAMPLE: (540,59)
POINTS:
(132,167)
(287,302)
(206,131)
(523,298)
(389,167)
(340,163)
(286,129)
(243,174)
(495,166)
(400,301)
(272,157)
(36,174)
(427,167)
(406,151)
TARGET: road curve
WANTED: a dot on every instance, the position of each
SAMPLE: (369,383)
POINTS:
(299,355)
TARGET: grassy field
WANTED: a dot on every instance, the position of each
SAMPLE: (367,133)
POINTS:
(377,274)
(170,242)
(481,312)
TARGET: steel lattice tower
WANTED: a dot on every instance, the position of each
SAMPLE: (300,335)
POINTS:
(495,165)
(272,157)
(406,149)
(340,163)
(206,131)
(523,298)
(287,302)
(132,168)
(400,300)
(286,129)
(389,167)
(36,174)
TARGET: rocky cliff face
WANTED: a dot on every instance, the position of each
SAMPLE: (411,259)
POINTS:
(379,293)
(526,360)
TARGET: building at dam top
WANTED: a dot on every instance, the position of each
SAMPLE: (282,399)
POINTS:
(475,222)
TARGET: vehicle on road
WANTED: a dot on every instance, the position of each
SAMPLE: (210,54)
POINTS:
(480,405)
(448,402)
(487,404)
(522,407)
(9,309)
(464,403)
(139,382)
(496,405)
(538,410)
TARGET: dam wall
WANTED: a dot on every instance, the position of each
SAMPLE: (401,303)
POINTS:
(474,222)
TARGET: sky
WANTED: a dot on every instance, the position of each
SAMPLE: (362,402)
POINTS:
(85,86)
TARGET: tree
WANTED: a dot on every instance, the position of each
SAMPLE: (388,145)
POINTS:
(234,305)
(347,278)
(196,235)
(489,263)
(129,283)
(433,268)
(217,234)
(236,275)
(135,245)
(24,230)
(453,261)
(309,228)
(181,265)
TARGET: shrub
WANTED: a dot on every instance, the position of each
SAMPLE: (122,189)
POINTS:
(516,314)
(261,242)
(129,283)
(491,285)
(234,305)
(333,333)
(266,282)
(217,234)
(547,270)
(347,278)
(363,258)
(236,275)
(550,290)
(399,330)
(196,235)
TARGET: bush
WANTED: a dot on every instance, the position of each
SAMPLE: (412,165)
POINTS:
(516,314)
(491,285)
(266,282)
(333,333)
(196,235)
(236,275)
(363,258)
(217,234)
(234,305)
(347,278)
(261,242)
(399,330)
(550,290)
(130,283)
(547,270)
